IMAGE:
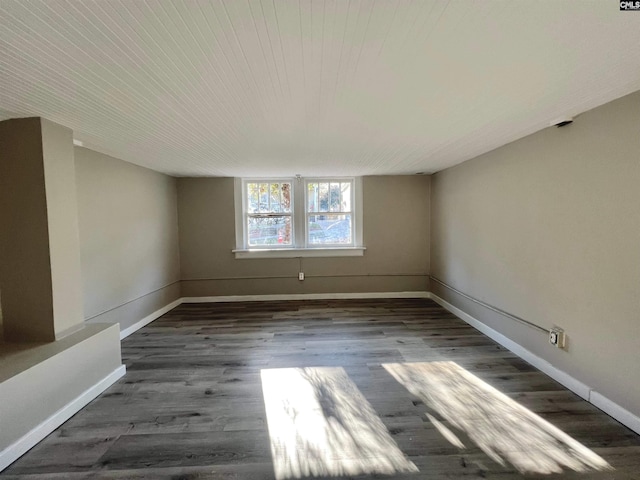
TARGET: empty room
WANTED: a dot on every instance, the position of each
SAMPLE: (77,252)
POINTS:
(281,239)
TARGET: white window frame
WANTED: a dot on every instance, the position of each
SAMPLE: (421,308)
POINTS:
(245,214)
(306,182)
(300,247)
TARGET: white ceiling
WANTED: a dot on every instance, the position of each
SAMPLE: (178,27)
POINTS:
(278,87)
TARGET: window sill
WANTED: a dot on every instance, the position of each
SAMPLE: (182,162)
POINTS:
(300,252)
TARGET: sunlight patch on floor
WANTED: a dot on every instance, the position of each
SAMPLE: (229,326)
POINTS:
(321,424)
(499,426)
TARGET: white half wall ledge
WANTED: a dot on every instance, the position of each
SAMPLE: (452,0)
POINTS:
(598,400)
(36,434)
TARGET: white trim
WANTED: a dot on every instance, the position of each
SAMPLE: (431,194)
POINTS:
(541,364)
(616,411)
(238,203)
(148,319)
(301,252)
(358,198)
(298,211)
(585,391)
(304,296)
(36,434)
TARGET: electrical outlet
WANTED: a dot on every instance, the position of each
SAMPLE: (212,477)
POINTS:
(301,276)
(556,337)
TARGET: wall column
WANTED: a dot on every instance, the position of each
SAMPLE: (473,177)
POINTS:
(40,276)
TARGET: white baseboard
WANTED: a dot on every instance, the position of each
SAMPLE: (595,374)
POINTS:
(616,411)
(603,403)
(541,364)
(304,296)
(149,318)
(35,435)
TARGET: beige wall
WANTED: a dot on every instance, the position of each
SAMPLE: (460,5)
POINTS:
(395,231)
(27,298)
(548,228)
(40,267)
(128,238)
(62,214)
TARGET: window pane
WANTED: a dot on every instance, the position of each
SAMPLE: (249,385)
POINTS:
(330,229)
(335,197)
(269,231)
(253,203)
(274,198)
(323,197)
(312,197)
(286,197)
(346,197)
(268,198)
(264,198)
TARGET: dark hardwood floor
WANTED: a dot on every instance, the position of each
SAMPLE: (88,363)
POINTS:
(372,389)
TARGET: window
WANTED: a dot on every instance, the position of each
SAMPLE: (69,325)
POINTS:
(293,217)
(329,217)
(268,214)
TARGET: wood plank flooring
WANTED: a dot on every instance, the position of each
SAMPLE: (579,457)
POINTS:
(191,405)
